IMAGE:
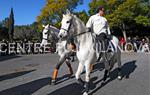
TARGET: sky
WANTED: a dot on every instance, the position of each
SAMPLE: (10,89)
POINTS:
(26,11)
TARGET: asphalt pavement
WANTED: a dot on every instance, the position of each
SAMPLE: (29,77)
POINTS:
(31,75)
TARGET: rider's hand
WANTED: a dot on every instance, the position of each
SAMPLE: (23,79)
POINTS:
(88,29)
(109,37)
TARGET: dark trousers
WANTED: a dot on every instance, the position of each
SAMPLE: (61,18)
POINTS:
(104,46)
(102,38)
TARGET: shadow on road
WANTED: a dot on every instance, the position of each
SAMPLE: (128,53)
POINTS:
(71,89)
(14,75)
(63,78)
(127,69)
(98,67)
(26,89)
(7,57)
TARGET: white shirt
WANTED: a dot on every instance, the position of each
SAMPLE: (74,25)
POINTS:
(98,24)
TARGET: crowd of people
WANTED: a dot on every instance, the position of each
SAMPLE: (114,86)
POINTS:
(135,44)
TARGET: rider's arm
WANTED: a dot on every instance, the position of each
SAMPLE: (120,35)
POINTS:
(108,29)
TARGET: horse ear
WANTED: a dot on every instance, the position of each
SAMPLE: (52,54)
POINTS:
(43,25)
(63,15)
(68,12)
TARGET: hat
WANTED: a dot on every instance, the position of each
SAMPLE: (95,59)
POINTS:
(99,8)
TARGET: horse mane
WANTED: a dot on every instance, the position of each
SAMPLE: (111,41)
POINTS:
(80,28)
(80,24)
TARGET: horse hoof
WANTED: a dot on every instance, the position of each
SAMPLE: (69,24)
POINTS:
(53,82)
(103,83)
(80,81)
(85,93)
(70,76)
(119,77)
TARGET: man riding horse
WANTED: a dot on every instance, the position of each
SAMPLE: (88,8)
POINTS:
(86,42)
(99,25)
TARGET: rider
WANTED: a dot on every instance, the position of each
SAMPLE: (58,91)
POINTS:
(71,43)
(99,25)
(72,47)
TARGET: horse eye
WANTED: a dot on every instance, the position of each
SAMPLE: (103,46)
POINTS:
(67,21)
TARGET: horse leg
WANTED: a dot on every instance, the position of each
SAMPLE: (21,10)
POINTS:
(55,73)
(107,67)
(79,71)
(70,68)
(87,78)
(105,56)
(119,65)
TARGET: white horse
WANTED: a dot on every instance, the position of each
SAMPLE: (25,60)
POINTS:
(51,33)
(51,36)
(86,43)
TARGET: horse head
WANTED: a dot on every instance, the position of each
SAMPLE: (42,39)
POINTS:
(66,25)
(46,28)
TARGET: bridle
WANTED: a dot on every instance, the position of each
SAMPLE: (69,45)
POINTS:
(46,33)
(67,30)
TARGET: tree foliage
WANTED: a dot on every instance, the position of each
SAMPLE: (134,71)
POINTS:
(28,32)
(5,23)
(82,15)
(11,25)
(4,29)
(126,15)
(53,10)
(3,33)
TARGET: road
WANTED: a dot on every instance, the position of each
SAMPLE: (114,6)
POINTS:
(31,75)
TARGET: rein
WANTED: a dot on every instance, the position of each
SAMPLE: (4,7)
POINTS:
(79,34)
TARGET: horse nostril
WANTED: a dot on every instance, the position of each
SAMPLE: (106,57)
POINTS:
(60,36)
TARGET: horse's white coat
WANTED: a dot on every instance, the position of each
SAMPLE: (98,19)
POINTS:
(86,52)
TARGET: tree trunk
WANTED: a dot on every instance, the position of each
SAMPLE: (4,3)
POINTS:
(124,32)
(124,35)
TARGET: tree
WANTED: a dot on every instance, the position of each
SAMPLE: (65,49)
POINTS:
(4,29)
(127,15)
(28,32)
(5,23)
(1,25)
(82,15)
(11,25)
(53,10)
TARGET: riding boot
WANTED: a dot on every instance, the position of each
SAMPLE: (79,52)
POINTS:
(55,73)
